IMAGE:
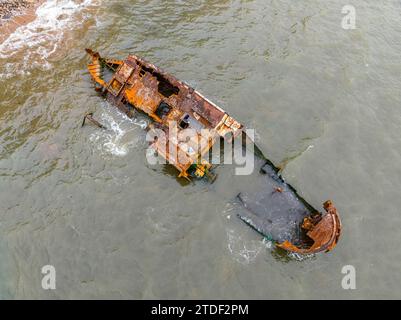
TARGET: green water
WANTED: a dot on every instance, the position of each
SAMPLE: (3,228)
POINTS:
(323,100)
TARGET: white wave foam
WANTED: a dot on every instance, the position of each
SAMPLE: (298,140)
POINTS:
(109,141)
(300,257)
(244,251)
(39,39)
(116,139)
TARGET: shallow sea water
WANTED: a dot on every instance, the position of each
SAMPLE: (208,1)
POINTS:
(323,100)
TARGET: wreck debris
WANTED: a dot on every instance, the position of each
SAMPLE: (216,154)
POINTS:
(285,217)
(167,101)
(324,231)
(276,211)
(89,116)
(278,189)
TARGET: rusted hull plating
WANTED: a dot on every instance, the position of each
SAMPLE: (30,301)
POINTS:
(274,209)
(139,85)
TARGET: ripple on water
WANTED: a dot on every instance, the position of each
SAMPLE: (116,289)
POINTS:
(117,139)
(244,251)
(39,39)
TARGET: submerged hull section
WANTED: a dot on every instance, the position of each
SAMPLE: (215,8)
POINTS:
(270,206)
(273,208)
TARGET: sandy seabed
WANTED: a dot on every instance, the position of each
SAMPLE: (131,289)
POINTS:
(15,13)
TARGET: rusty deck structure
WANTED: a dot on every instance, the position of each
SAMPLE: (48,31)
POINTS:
(166,100)
(275,210)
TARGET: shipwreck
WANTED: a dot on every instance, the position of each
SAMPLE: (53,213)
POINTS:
(276,210)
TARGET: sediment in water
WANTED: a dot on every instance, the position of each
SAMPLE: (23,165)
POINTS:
(15,13)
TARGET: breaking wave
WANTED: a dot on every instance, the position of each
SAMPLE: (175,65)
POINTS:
(39,39)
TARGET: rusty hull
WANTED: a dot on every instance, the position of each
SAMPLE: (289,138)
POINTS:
(324,231)
(139,85)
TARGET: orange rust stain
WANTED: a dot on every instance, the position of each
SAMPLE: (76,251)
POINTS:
(143,98)
(324,232)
